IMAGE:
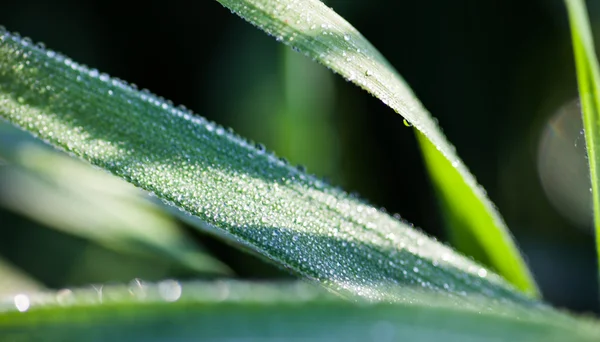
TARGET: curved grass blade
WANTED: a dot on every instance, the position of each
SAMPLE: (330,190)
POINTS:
(73,198)
(588,79)
(315,30)
(462,209)
(171,311)
(228,186)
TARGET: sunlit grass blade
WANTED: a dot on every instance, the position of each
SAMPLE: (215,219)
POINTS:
(466,218)
(14,280)
(63,193)
(588,79)
(315,30)
(257,312)
(226,185)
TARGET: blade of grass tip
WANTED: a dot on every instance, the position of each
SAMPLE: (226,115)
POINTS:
(314,29)
(229,186)
(588,79)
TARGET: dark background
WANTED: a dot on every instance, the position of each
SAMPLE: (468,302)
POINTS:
(492,72)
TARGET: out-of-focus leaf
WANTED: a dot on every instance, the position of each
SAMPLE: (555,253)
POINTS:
(72,197)
(171,311)
(14,281)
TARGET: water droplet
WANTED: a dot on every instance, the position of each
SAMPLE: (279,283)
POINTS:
(406,123)
(169,290)
(260,147)
(368,73)
(21,302)
(65,297)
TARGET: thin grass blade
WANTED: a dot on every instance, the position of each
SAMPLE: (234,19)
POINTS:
(588,79)
(314,29)
(227,185)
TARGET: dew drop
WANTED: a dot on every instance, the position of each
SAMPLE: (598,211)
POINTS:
(406,123)
(260,147)
(65,297)
(21,302)
(169,290)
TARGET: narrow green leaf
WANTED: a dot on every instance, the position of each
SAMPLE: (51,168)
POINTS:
(71,197)
(226,311)
(588,78)
(228,186)
(315,30)
(464,213)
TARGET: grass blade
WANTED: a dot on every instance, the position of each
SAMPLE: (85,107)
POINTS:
(73,198)
(228,186)
(465,213)
(588,78)
(190,311)
(315,30)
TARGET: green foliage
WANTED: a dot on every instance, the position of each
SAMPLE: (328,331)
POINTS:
(314,29)
(386,280)
(588,77)
(237,191)
(257,312)
(73,198)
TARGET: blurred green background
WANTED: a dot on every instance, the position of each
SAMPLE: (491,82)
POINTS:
(498,75)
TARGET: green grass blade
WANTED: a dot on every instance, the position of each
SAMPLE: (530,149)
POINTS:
(228,186)
(588,78)
(315,30)
(73,198)
(171,311)
(465,215)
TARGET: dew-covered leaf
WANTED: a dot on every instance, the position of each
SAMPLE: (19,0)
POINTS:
(70,196)
(227,185)
(231,311)
(314,29)
(588,78)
